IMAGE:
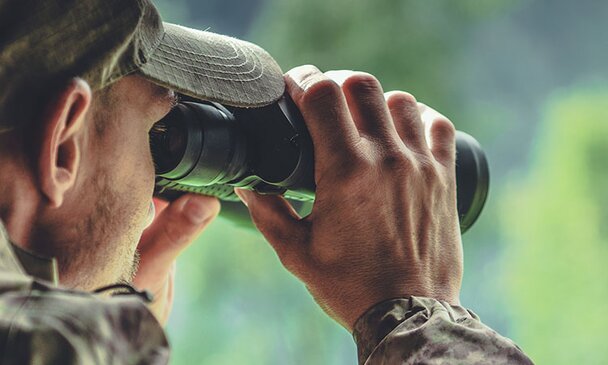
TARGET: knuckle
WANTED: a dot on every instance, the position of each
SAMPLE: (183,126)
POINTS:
(172,234)
(358,159)
(395,161)
(362,83)
(352,179)
(444,126)
(401,100)
(427,170)
(361,160)
(321,90)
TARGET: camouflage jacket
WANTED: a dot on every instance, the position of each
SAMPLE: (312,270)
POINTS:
(41,323)
(419,330)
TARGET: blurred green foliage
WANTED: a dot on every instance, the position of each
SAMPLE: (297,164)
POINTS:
(412,45)
(239,306)
(555,267)
(518,75)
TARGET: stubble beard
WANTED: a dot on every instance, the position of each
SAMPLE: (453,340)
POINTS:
(102,247)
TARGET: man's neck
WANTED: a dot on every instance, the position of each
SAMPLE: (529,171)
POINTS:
(19,202)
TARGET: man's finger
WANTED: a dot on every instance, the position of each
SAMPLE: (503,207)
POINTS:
(174,228)
(440,135)
(325,112)
(365,99)
(404,111)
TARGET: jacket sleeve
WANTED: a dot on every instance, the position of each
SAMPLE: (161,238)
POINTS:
(419,330)
(48,326)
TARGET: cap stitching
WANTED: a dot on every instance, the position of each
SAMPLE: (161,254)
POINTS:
(156,45)
(210,76)
(232,44)
(246,60)
(255,62)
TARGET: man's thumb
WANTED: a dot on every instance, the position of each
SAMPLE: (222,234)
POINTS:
(277,221)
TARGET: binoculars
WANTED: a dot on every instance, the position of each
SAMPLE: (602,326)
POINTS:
(208,148)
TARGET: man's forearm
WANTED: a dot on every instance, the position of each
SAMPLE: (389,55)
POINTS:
(423,330)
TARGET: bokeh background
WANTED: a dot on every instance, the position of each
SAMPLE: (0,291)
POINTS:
(528,78)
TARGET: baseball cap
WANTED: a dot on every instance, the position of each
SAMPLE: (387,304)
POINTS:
(47,42)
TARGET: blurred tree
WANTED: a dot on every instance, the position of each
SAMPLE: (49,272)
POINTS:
(513,63)
(409,45)
(232,17)
(555,269)
(238,305)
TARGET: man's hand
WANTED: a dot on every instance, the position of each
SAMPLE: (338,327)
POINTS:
(384,222)
(175,226)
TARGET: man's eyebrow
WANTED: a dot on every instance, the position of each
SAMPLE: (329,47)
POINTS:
(173,99)
(167,98)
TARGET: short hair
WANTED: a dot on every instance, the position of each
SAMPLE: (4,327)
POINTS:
(25,104)
(102,108)
(25,115)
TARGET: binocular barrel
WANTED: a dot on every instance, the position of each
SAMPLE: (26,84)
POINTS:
(207,148)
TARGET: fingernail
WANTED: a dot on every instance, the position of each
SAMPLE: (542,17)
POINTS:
(302,74)
(195,211)
(244,195)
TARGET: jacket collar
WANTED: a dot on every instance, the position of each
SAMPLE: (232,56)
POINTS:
(17,260)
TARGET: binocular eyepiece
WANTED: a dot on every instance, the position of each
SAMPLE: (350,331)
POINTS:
(208,148)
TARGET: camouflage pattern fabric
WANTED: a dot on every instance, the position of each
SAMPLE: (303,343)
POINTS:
(419,330)
(43,324)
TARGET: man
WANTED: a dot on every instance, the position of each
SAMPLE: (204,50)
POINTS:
(84,82)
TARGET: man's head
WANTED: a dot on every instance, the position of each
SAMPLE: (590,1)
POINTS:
(83,83)
(89,184)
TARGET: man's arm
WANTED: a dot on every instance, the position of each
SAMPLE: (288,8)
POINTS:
(384,222)
(419,330)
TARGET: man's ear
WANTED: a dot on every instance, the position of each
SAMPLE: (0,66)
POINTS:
(59,157)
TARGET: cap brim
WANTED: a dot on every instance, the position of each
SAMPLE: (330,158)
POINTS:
(214,67)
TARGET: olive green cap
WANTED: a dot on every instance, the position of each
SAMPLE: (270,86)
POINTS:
(47,42)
